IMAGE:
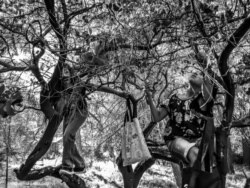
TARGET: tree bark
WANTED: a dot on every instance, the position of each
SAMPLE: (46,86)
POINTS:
(49,100)
(233,41)
(222,147)
(230,157)
(26,173)
(246,152)
(40,149)
(131,177)
(221,150)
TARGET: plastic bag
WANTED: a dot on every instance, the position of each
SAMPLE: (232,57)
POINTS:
(134,147)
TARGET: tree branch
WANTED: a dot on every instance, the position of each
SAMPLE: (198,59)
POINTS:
(72,15)
(40,149)
(7,67)
(244,122)
(73,181)
(163,153)
(114,47)
(199,21)
(140,169)
(35,69)
(50,5)
(233,41)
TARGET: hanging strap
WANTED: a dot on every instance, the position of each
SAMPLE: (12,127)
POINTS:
(206,149)
(131,111)
(207,143)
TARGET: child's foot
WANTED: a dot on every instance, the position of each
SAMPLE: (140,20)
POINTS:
(79,169)
(66,171)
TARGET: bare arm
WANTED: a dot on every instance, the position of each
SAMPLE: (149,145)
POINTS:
(158,114)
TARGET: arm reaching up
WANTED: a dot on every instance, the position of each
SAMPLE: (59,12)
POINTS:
(157,114)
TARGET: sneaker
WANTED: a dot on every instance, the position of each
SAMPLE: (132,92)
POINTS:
(66,171)
(79,169)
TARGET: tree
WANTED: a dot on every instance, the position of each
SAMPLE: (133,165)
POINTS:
(136,41)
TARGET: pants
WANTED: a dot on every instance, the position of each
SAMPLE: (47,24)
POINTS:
(71,157)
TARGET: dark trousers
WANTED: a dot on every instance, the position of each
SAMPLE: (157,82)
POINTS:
(71,157)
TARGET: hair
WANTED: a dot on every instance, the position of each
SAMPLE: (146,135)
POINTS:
(193,86)
(196,86)
(190,91)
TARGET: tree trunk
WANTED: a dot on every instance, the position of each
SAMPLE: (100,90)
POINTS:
(25,172)
(131,177)
(221,150)
(7,157)
(40,149)
(246,152)
(230,157)
(7,167)
(127,173)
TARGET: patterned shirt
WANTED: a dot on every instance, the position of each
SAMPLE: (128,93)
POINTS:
(183,121)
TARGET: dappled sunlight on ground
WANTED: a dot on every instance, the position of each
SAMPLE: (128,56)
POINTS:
(158,176)
(236,180)
(107,175)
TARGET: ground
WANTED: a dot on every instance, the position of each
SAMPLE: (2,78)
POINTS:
(106,175)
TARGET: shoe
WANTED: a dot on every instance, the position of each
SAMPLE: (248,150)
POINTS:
(66,171)
(79,169)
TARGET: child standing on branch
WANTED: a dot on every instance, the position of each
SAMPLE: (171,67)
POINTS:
(75,114)
(75,107)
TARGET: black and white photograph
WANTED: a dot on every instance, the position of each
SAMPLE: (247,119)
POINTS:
(125,94)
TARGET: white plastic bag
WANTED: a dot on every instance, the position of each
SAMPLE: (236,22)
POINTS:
(134,147)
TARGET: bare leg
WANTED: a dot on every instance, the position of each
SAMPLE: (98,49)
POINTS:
(192,155)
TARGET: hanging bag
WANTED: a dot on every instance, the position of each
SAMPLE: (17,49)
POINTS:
(134,147)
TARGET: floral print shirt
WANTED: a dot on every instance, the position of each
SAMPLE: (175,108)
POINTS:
(183,122)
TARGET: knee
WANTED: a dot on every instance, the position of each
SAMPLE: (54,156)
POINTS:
(183,149)
(192,155)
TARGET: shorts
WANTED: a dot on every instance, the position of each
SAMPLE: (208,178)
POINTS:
(180,147)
